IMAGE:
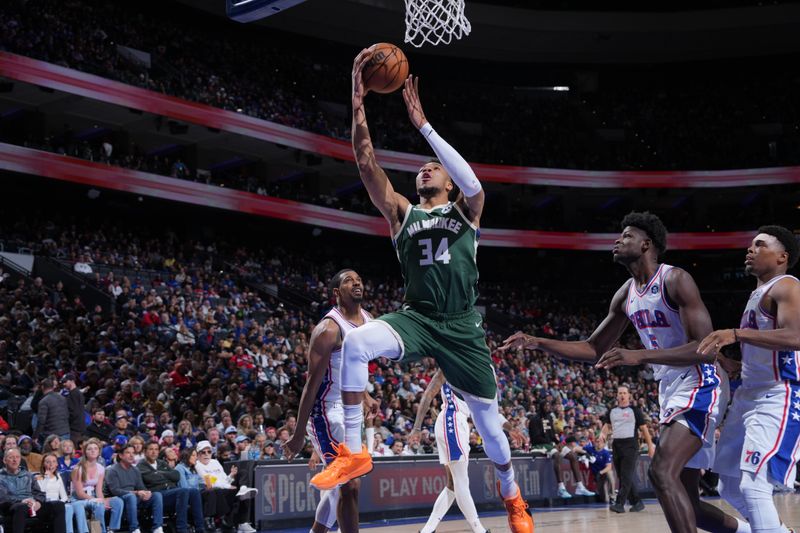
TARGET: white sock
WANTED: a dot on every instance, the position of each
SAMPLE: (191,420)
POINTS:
(370,431)
(742,526)
(508,488)
(460,473)
(440,508)
(353,418)
(579,485)
(561,486)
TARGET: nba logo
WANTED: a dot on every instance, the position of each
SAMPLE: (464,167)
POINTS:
(270,494)
(654,290)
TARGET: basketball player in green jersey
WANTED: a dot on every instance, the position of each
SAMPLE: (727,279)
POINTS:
(436,243)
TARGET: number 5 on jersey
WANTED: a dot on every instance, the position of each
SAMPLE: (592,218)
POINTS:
(442,252)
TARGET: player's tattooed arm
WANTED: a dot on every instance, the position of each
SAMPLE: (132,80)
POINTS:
(430,393)
(785,296)
(391,204)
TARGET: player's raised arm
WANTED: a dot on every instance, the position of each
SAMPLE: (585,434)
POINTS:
(391,204)
(431,391)
(696,322)
(590,350)
(455,165)
(323,340)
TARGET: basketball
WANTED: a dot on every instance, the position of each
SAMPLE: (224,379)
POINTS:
(387,69)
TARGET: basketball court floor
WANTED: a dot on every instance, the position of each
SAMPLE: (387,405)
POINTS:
(594,518)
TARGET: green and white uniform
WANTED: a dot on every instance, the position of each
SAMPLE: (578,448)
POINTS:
(437,252)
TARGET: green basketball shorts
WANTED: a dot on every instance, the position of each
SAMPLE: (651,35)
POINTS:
(457,342)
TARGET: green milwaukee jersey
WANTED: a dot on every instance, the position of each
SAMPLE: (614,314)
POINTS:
(437,251)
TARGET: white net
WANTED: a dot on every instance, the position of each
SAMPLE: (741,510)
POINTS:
(435,21)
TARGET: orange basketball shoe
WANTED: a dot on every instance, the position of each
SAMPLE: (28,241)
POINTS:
(345,467)
(519,520)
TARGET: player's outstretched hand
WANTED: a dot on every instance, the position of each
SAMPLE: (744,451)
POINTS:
(413,104)
(617,356)
(715,341)
(294,445)
(359,89)
(519,340)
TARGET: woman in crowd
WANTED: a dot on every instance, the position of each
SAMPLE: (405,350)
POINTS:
(66,462)
(245,425)
(87,488)
(184,436)
(50,483)
(190,479)
(138,448)
(52,444)
(170,456)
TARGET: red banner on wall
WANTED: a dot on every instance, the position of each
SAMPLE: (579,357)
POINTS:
(95,87)
(55,166)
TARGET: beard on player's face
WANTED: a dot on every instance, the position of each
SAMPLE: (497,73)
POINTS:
(429,191)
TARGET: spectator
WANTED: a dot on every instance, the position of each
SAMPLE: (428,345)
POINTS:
(602,466)
(242,447)
(121,425)
(52,444)
(167,438)
(169,456)
(137,443)
(24,496)
(32,460)
(112,451)
(222,498)
(66,462)
(53,413)
(269,451)
(124,480)
(77,408)
(51,484)
(87,488)
(99,428)
(185,437)
(159,477)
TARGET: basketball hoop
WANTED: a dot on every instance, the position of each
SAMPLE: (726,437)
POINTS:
(435,21)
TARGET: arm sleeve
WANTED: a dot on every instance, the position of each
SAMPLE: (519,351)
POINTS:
(458,168)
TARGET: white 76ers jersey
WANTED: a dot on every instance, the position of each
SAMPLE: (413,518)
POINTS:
(762,366)
(658,324)
(329,390)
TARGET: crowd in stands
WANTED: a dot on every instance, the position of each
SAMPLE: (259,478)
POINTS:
(196,367)
(664,122)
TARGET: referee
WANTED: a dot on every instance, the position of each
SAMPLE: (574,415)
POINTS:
(623,421)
